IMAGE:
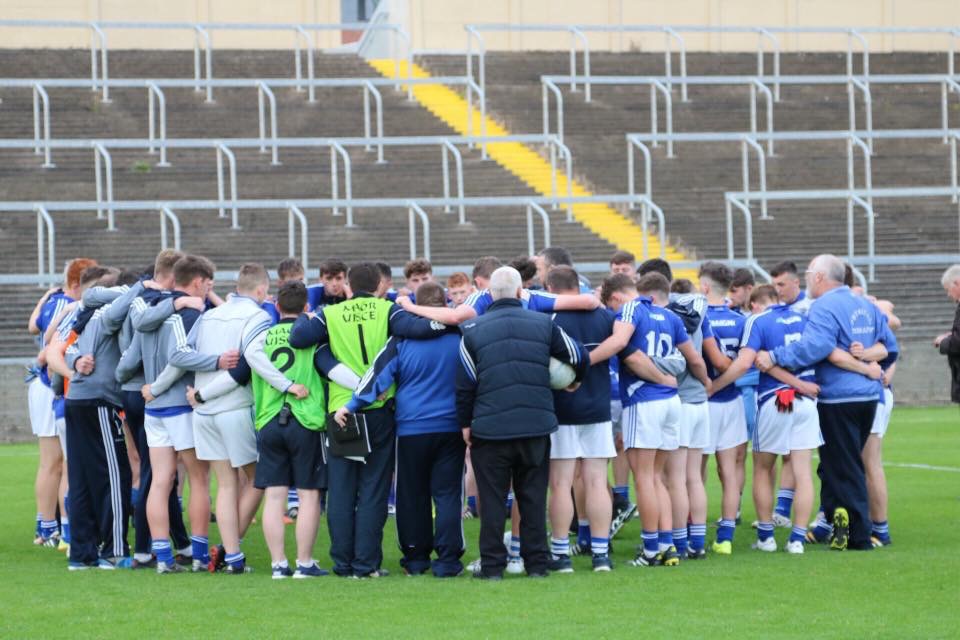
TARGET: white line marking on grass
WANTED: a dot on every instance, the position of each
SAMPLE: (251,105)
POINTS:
(7,453)
(929,467)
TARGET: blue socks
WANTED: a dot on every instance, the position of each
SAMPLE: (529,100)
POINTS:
(235,560)
(881,531)
(558,546)
(48,528)
(725,530)
(200,547)
(583,531)
(39,520)
(784,502)
(510,500)
(650,543)
(798,533)
(698,536)
(665,540)
(600,546)
(680,540)
(764,531)
(622,491)
(514,551)
(134,496)
(293,499)
(65,529)
(472,504)
(161,549)
(822,529)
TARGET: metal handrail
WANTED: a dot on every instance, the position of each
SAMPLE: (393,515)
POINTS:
(556,146)
(671,33)
(871,234)
(747,141)
(97,32)
(299,33)
(202,30)
(262,89)
(867,106)
(633,141)
(39,93)
(166,213)
(46,235)
(765,33)
(545,219)
(368,89)
(765,90)
(947,86)
(449,148)
(294,215)
(668,101)
(414,208)
(154,91)
(100,152)
(648,205)
(548,84)
(337,149)
(208,51)
(224,150)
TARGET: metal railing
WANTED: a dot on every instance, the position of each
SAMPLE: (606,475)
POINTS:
(46,246)
(947,83)
(201,32)
(860,139)
(853,197)
(337,146)
(296,208)
(264,88)
(673,33)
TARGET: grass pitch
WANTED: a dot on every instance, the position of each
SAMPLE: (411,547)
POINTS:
(908,590)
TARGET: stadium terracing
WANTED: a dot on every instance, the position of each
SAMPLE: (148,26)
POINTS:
(256,155)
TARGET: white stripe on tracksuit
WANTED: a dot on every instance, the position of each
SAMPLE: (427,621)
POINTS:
(113,474)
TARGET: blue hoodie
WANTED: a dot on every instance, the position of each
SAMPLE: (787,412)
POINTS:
(837,319)
(425,372)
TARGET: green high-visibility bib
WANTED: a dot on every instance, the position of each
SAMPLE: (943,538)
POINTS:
(358,329)
(297,366)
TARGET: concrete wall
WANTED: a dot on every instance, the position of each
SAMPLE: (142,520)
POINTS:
(438,24)
(922,379)
(245,11)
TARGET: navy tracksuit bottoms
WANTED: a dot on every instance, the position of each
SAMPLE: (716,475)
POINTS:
(430,466)
(99,474)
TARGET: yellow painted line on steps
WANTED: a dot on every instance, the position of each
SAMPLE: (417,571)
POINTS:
(530,167)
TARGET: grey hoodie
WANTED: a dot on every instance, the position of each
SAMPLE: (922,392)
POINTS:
(141,317)
(99,339)
(158,346)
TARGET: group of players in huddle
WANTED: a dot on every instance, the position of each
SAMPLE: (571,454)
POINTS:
(148,378)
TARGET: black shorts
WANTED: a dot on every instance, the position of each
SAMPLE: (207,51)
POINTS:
(290,456)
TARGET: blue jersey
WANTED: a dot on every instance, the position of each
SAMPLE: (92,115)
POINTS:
(48,313)
(726,325)
(657,332)
(269,305)
(836,319)
(317,297)
(779,325)
(530,299)
(590,403)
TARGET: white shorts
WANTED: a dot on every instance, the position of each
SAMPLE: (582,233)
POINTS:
(169,431)
(228,435)
(40,406)
(882,418)
(61,424)
(781,433)
(654,424)
(694,425)
(728,425)
(616,415)
(571,441)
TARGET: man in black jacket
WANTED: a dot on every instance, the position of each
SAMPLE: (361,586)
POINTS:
(505,407)
(949,343)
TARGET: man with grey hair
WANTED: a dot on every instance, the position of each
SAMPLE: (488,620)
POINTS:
(848,399)
(949,343)
(505,408)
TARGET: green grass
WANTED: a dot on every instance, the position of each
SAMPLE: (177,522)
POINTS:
(911,589)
